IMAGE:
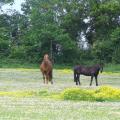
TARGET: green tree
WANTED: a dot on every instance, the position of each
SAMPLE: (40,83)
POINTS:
(115,45)
(45,31)
(103,20)
(4,35)
(58,27)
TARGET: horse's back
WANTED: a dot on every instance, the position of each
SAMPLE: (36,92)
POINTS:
(88,71)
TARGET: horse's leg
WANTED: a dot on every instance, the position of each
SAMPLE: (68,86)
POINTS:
(51,81)
(43,78)
(91,80)
(76,82)
(47,78)
(51,77)
(79,79)
(96,80)
(74,76)
(76,79)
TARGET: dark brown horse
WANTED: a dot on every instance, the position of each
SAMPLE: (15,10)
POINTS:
(46,69)
(88,71)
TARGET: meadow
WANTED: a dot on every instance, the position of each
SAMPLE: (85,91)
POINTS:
(23,96)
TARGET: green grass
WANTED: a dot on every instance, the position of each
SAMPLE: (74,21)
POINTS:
(39,109)
(112,68)
(20,102)
(14,63)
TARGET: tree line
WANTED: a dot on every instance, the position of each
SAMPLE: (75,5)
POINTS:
(71,31)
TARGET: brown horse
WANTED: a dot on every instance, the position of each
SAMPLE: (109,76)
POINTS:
(46,69)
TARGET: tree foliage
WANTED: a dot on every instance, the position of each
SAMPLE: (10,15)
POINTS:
(60,28)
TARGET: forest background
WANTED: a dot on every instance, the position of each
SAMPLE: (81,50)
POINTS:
(70,31)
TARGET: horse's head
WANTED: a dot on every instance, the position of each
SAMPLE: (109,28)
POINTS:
(46,57)
(101,67)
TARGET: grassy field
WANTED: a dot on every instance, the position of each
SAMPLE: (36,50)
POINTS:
(38,108)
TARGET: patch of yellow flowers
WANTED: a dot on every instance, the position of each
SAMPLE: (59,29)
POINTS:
(104,93)
(17,93)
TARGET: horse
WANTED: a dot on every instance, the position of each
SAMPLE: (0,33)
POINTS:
(46,69)
(92,71)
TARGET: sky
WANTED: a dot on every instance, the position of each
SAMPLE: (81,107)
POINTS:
(16,5)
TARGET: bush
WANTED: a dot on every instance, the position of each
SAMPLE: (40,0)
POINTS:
(26,53)
(18,52)
(107,93)
(77,94)
(104,93)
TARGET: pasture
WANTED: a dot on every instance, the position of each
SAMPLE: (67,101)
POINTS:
(25,107)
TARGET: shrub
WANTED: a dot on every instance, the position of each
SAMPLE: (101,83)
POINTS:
(77,94)
(107,93)
(104,93)
(18,52)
